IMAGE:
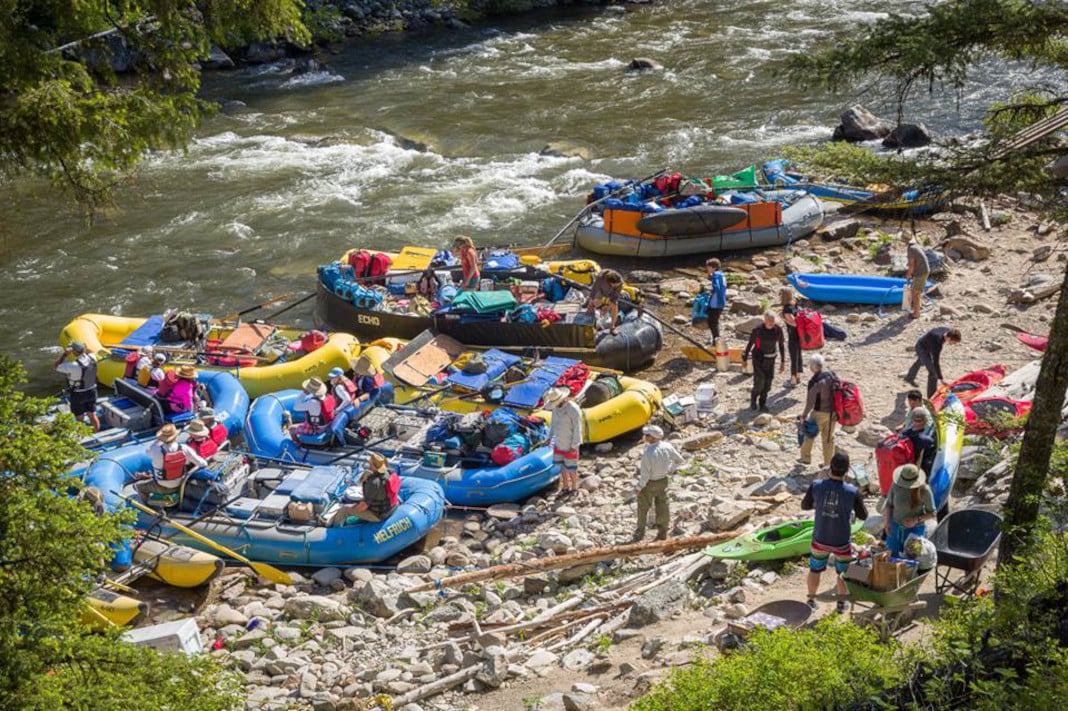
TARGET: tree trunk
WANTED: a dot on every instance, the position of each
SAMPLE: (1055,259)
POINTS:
(1032,464)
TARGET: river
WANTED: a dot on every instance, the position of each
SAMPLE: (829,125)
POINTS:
(413,139)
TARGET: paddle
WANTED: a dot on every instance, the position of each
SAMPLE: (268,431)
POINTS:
(275,314)
(257,307)
(263,569)
(586,208)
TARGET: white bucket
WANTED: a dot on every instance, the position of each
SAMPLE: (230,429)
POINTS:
(706,397)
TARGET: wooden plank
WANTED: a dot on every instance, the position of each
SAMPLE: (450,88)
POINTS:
(428,360)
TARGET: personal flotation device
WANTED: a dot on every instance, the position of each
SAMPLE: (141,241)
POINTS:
(205,447)
(87,380)
(350,387)
(174,464)
(180,396)
(164,387)
(219,433)
(890,454)
(359,260)
(393,488)
(809,329)
(326,413)
(132,359)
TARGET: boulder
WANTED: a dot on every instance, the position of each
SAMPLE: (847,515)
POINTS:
(325,576)
(726,515)
(563,149)
(672,286)
(644,276)
(744,328)
(908,135)
(305,607)
(859,124)
(263,52)
(541,658)
(639,64)
(658,604)
(495,667)
(800,265)
(883,256)
(216,59)
(415,564)
(967,247)
(554,541)
(577,659)
(224,615)
(575,572)
(748,306)
(376,597)
(840,229)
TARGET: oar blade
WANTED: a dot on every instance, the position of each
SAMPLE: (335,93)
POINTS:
(271,573)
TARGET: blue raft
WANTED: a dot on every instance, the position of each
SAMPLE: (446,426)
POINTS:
(850,288)
(466,481)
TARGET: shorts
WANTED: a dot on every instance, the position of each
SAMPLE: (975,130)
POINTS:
(843,556)
(567,458)
(82,402)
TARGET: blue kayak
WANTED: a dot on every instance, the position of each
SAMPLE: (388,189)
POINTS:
(850,288)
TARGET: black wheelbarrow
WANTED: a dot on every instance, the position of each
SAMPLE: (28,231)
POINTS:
(964,541)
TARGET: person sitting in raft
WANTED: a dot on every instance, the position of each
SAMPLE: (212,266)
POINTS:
(81,382)
(605,292)
(381,491)
(171,462)
(218,432)
(318,409)
(144,360)
(465,247)
(905,507)
(923,551)
(152,374)
(341,388)
(178,390)
(923,444)
(200,440)
(368,381)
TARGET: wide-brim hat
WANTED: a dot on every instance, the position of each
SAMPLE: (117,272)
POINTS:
(555,396)
(909,476)
(206,413)
(314,386)
(653,431)
(187,372)
(375,463)
(364,366)
(198,428)
(167,434)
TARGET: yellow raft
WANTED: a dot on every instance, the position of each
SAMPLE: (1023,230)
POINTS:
(102,333)
(628,411)
(176,565)
(110,608)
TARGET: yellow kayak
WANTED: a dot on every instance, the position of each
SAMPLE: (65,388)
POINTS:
(627,411)
(116,609)
(177,565)
(276,367)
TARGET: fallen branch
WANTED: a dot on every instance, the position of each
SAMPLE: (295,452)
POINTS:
(579,636)
(436,687)
(595,555)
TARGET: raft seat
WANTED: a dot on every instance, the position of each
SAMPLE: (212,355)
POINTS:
(178,418)
(319,439)
(496,363)
(319,487)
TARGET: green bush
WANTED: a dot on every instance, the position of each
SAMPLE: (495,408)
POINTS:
(833,664)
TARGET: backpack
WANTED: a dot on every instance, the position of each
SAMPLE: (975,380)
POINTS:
(848,405)
(359,261)
(700,307)
(890,454)
(500,425)
(809,329)
(833,332)
(524,314)
(554,289)
(379,266)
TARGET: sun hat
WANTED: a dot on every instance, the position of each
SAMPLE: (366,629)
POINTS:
(336,373)
(77,346)
(364,366)
(187,372)
(653,431)
(909,476)
(556,396)
(314,386)
(206,413)
(197,428)
(159,358)
(167,434)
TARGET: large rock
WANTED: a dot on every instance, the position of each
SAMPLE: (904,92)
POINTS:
(639,64)
(744,328)
(376,597)
(216,59)
(840,229)
(305,607)
(658,604)
(1038,286)
(325,576)
(908,135)
(727,514)
(415,564)
(563,149)
(645,276)
(554,541)
(495,667)
(263,52)
(859,124)
(746,305)
(967,247)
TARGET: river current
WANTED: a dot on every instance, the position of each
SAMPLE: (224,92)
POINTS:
(416,138)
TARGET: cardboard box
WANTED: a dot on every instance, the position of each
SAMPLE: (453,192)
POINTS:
(887,575)
(680,410)
(858,573)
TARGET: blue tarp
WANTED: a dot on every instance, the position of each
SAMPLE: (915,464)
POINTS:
(147,334)
(496,363)
(527,393)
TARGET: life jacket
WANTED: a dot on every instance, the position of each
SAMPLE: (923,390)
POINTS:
(219,433)
(164,387)
(87,381)
(809,329)
(174,464)
(204,447)
(393,488)
(180,396)
(890,454)
(132,358)
(380,265)
(312,341)
(848,405)
(377,493)
(326,413)
(359,261)
(350,387)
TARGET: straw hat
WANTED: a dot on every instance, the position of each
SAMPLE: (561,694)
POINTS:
(375,463)
(909,476)
(653,431)
(196,428)
(365,366)
(167,434)
(314,386)
(556,396)
(206,413)
(187,372)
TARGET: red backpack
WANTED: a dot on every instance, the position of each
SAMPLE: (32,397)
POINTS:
(359,260)
(809,329)
(848,405)
(890,454)
(380,264)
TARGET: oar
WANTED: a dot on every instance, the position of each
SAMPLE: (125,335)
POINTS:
(257,307)
(263,569)
(279,312)
(587,206)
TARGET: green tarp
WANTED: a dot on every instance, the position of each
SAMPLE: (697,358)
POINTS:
(744,179)
(484,301)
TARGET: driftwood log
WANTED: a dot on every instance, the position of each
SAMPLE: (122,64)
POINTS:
(594,555)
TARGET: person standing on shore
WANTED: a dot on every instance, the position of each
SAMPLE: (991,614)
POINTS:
(471,275)
(717,297)
(908,504)
(605,291)
(832,500)
(929,355)
(565,432)
(659,461)
(918,270)
(763,342)
(819,407)
(788,300)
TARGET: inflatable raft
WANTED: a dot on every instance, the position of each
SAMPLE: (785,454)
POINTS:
(264,357)
(970,385)
(403,435)
(878,200)
(996,416)
(850,288)
(535,307)
(105,608)
(174,564)
(772,219)
(450,388)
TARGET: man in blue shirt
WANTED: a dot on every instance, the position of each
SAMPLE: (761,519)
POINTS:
(833,500)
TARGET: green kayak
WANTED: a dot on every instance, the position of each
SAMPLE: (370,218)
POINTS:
(786,540)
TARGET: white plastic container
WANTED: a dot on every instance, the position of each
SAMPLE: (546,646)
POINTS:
(706,397)
(176,636)
(485,285)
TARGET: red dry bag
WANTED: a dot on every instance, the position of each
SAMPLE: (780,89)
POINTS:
(810,329)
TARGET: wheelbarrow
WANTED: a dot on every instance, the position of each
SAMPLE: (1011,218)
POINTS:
(770,616)
(964,540)
(889,612)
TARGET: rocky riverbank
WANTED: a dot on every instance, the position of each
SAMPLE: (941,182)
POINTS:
(595,635)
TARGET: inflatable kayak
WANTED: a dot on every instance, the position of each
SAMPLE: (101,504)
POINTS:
(174,564)
(1034,341)
(850,288)
(105,608)
(785,540)
(770,219)
(878,200)
(950,424)
(264,357)
(971,385)
(417,444)
(996,416)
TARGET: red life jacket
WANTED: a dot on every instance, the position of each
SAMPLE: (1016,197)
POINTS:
(312,341)
(219,433)
(809,328)
(132,359)
(393,488)
(174,464)
(359,261)
(326,413)
(350,387)
(380,264)
(205,447)
(890,454)
(163,387)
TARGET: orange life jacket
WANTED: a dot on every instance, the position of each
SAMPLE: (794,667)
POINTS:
(174,464)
